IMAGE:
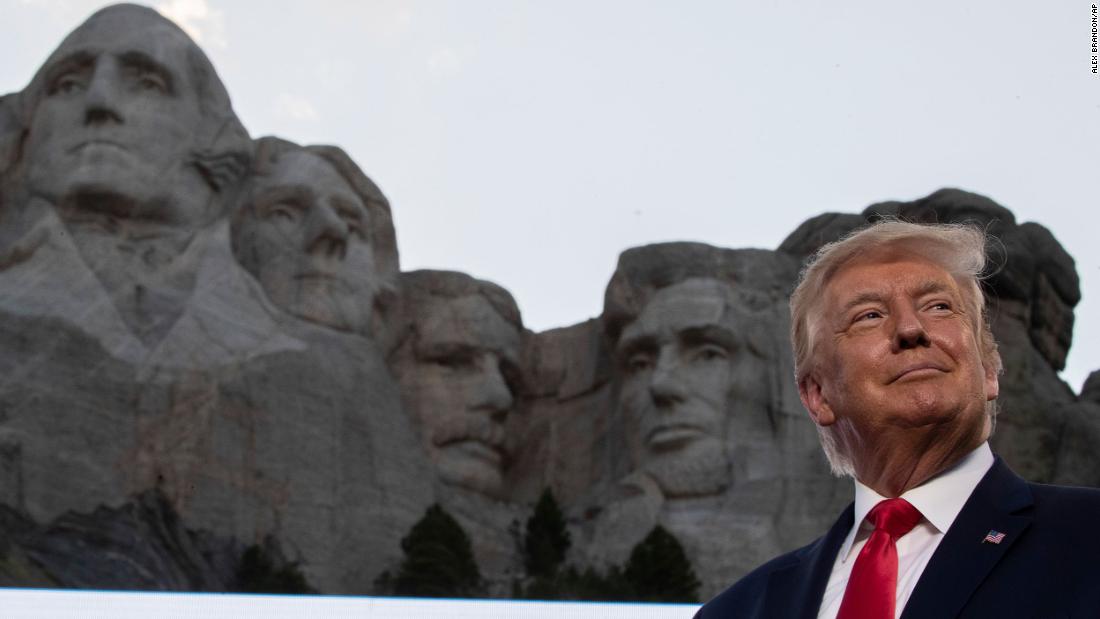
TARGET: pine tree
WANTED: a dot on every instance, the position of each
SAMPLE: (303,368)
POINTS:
(546,540)
(263,570)
(658,570)
(439,561)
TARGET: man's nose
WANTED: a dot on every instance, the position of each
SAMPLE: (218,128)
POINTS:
(491,392)
(101,99)
(909,331)
(665,384)
(328,233)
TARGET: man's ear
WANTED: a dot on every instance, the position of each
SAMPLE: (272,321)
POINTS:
(813,398)
(992,384)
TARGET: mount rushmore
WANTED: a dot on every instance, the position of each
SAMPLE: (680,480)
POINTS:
(222,321)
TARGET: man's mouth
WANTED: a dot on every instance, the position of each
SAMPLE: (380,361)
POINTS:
(330,279)
(477,450)
(918,371)
(672,435)
(98,145)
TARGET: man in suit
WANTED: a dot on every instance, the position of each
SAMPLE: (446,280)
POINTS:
(896,365)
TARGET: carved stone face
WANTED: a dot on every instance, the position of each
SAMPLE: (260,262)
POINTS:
(305,237)
(461,388)
(114,126)
(676,359)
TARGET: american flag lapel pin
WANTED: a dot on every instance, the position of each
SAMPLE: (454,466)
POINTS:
(993,537)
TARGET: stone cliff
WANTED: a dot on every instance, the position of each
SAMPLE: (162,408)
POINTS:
(207,345)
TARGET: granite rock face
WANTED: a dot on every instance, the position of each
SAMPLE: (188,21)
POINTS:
(141,544)
(705,435)
(206,344)
(139,353)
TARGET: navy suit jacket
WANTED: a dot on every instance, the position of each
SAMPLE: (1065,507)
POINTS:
(1048,564)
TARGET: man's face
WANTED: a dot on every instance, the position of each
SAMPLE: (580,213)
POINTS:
(117,120)
(306,234)
(677,363)
(461,389)
(897,352)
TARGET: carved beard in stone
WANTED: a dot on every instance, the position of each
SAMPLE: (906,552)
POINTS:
(705,471)
(304,236)
(677,367)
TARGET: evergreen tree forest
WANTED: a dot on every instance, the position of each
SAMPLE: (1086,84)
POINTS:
(439,562)
(658,569)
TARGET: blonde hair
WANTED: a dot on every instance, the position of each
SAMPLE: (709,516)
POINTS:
(960,249)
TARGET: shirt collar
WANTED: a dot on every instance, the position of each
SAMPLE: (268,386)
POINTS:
(939,499)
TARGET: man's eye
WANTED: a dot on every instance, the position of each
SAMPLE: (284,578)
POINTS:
(454,362)
(354,224)
(149,81)
(711,352)
(67,84)
(639,362)
(869,315)
(282,211)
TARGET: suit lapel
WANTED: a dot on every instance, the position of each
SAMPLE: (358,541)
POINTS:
(962,560)
(795,592)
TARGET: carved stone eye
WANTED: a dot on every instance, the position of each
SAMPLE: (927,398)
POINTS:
(639,362)
(455,362)
(68,83)
(151,82)
(354,224)
(711,352)
(282,211)
(145,80)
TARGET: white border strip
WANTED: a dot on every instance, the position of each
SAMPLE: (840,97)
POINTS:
(46,603)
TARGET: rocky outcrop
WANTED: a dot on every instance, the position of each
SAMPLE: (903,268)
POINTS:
(142,544)
(207,347)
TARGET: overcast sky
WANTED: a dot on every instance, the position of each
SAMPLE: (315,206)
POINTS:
(530,142)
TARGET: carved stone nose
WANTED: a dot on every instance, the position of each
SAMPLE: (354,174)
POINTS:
(99,114)
(664,384)
(100,96)
(328,233)
(494,395)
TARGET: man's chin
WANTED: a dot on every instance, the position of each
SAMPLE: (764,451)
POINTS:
(471,475)
(700,470)
(82,198)
(315,301)
(931,408)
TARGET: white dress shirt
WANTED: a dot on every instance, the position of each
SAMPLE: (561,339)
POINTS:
(939,501)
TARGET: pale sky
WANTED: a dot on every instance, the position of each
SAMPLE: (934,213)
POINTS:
(529,143)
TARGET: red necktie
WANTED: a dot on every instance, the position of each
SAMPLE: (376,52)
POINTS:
(872,587)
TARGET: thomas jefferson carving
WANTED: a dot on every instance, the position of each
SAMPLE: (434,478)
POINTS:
(317,234)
